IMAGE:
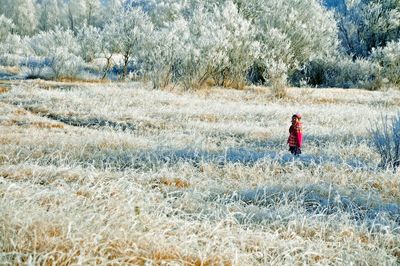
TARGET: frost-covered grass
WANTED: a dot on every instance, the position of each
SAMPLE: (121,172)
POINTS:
(197,178)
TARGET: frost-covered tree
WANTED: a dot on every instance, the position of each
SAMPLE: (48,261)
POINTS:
(51,14)
(221,47)
(10,48)
(23,14)
(109,9)
(6,27)
(160,11)
(388,58)
(82,13)
(89,39)
(59,50)
(108,45)
(164,50)
(129,31)
(343,71)
(291,33)
(226,37)
(367,24)
(240,48)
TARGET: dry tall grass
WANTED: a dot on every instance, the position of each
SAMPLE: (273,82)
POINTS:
(164,192)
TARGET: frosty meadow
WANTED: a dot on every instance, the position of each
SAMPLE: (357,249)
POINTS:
(155,132)
(124,174)
(331,43)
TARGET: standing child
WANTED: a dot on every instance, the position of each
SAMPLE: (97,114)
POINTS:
(295,139)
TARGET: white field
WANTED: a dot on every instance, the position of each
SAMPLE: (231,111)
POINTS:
(168,190)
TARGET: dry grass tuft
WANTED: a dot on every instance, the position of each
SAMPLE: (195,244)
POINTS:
(324,101)
(3,90)
(170,255)
(36,124)
(20,111)
(175,182)
(206,118)
(260,135)
(16,175)
(83,193)
(47,125)
(12,69)
(77,80)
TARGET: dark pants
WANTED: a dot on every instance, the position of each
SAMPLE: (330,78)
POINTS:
(295,150)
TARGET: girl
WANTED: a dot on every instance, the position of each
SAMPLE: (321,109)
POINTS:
(295,139)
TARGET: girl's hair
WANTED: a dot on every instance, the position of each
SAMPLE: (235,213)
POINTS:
(298,115)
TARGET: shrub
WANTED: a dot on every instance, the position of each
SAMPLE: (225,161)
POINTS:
(6,25)
(60,49)
(220,48)
(388,58)
(385,136)
(341,71)
(36,67)
(127,34)
(290,33)
(12,50)
(89,40)
(23,13)
(164,49)
(366,24)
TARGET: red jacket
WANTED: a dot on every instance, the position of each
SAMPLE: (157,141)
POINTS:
(295,135)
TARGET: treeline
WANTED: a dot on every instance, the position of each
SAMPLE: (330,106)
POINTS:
(353,43)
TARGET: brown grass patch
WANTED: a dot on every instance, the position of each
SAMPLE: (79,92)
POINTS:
(259,135)
(347,233)
(204,92)
(11,122)
(316,258)
(18,175)
(53,249)
(396,253)
(3,90)
(175,182)
(227,83)
(161,256)
(165,255)
(37,124)
(20,111)
(54,231)
(47,125)
(129,252)
(66,83)
(364,238)
(377,186)
(5,140)
(308,233)
(83,193)
(260,90)
(49,86)
(77,80)
(37,110)
(42,237)
(324,101)
(48,201)
(206,118)
(117,249)
(152,125)
(238,85)
(12,69)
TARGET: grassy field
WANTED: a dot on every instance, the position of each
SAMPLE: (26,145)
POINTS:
(121,174)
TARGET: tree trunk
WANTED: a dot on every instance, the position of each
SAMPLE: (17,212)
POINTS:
(71,20)
(126,60)
(107,67)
